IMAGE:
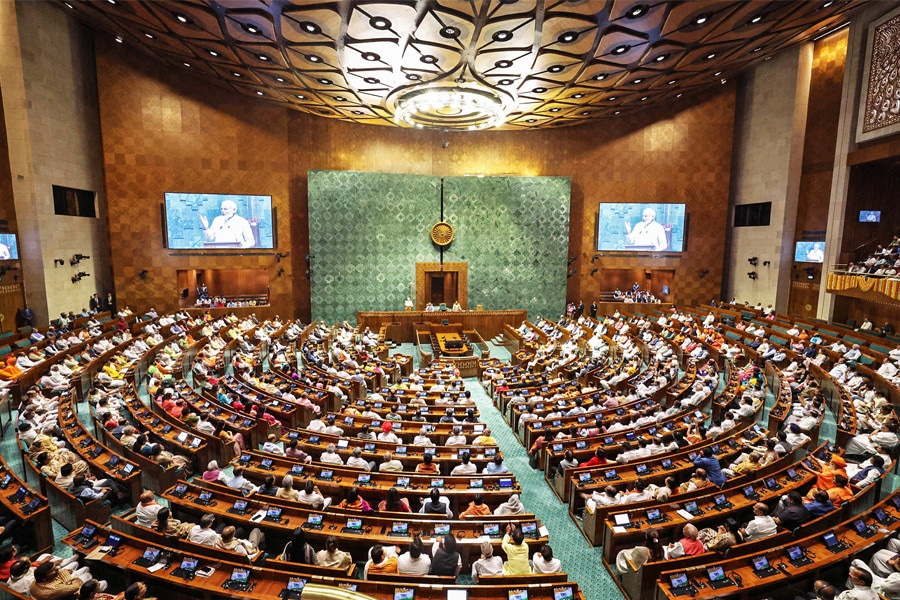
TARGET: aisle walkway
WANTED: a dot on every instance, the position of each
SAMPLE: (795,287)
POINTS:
(583,562)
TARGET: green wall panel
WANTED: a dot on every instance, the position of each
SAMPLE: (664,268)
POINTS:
(368,230)
(366,233)
(514,233)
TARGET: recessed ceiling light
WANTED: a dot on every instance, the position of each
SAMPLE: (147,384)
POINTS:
(556,68)
(531,120)
(644,98)
(600,77)
(310,27)
(539,90)
(661,57)
(119,39)
(670,82)
(450,32)
(69,5)
(701,19)
(613,98)
(301,97)
(279,79)
(585,113)
(568,37)
(717,73)
(372,80)
(679,95)
(637,11)
(235,73)
(213,53)
(429,59)
(710,56)
(357,112)
(413,76)
(258,93)
(187,64)
(557,109)
(250,28)
(340,98)
(380,23)
(638,80)
(724,81)
(756,19)
(578,96)
(313,58)
(181,18)
(621,49)
(502,36)
(618,112)
(370,56)
(111,1)
(503,64)
(505,82)
(757,49)
(324,81)
(263,57)
(149,36)
(827,4)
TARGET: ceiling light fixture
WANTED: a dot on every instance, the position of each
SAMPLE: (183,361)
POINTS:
(370,56)
(181,18)
(556,109)
(502,36)
(505,82)
(313,58)
(638,80)
(309,27)
(567,37)
(259,93)
(324,81)
(149,36)
(556,68)
(450,32)
(710,56)
(701,19)
(413,76)
(461,107)
(279,79)
(213,53)
(621,49)
(250,28)
(756,19)
(579,95)
(119,39)
(187,64)
(661,57)
(601,76)
(429,59)
(503,64)
(380,23)
(637,11)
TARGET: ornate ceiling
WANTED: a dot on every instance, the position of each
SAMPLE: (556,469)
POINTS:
(549,62)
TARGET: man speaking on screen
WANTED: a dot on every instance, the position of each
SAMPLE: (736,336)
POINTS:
(228,228)
(647,233)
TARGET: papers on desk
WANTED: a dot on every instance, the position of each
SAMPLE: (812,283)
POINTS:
(156,567)
(99,553)
(543,531)
(619,529)
(258,516)
(685,514)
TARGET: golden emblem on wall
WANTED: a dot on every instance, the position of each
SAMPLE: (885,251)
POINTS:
(442,233)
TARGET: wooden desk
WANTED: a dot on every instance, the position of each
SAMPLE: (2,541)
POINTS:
(488,323)
(39,521)
(451,344)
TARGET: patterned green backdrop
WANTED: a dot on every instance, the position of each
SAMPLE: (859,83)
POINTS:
(368,230)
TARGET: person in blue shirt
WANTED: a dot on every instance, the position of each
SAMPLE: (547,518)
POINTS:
(713,468)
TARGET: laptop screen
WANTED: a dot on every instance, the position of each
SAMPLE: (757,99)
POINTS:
(490,452)
(369,447)
(880,514)
(205,496)
(403,481)
(437,483)
(860,525)
(314,519)
(180,488)
(189,563)
(266,463)
(690,506)
(364,478)
(441,529)
(343,444)
(88,531)
(641,469)
(795,553)
(716,573)
(240,575)
(584,477)
(518,594)
(476,483)
(297,470)
(404,594)
(273,512)
(748,490)
(399,527)
(679,580)
(150,553)
(326,474)
(770,482)
(610,474)
(295,584)
(530,528)
(491,529)
(666,463)
(128,470)
(760,563)
(557,447)
(563,593)
(830,539)
(353,523)
(720,499)
(240,505)
(621,519)
(653,514)
(505,482)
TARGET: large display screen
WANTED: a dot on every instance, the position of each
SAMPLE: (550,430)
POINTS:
(212,221)
(9,246)
(870,216)
(641,227)
(811,252)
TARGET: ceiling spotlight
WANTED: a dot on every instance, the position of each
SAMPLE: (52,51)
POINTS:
(68,5)
(531,120)
(701,19)
(578,95)
(310,27)
(149,36)
(213,53)
(567,37)
(429,59)
(661,57)
(539,90)
(413,76)
(757,49)
(827,4)
(450,32)
(710,56)
(119,39)
(556,109)
(370,56)
(340,98)
(502,36)
(585,113)
(601,76)
(717,73)
(503,64)
(279,79)
(250,28)
(372,80)
(679,95)
(313,58)
(618,112)
(505,82)
(380,23)
(644,98)
(357,112)
(638,80)
(235,73)
(556,68)
(324,81)
(637,11)
(621,49)
(301,97)
(756,19)
(670,82)
(613,98)
(187,64)
(259,93)
(262,57)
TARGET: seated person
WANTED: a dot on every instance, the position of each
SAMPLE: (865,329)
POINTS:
(488,564)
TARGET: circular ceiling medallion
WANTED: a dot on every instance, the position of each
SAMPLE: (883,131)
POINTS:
(442,233)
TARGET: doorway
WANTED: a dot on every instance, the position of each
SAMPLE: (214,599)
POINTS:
(442,284)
